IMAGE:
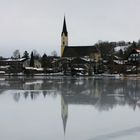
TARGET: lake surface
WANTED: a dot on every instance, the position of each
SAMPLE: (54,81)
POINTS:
(65,108)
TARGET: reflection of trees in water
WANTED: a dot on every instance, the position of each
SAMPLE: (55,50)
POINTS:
(26,94)
(103,93)
(119,92)
(44,93)
(32,94)
(16,96)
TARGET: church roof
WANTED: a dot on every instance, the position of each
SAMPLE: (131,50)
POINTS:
(64,28)
(79,51)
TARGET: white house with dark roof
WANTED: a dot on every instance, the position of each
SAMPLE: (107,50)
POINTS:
(134,56)
(12,65)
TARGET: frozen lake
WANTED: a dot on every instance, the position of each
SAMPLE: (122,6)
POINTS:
(64,108)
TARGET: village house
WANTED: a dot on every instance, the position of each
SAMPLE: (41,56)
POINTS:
(134,61)
(134,57)
(10,65)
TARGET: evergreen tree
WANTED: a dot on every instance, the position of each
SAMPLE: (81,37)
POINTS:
(129,49)
(32,60)
(25,55)
(120,53)
(44,61)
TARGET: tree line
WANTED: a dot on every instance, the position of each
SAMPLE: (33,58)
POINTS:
(45,60)
(107,49)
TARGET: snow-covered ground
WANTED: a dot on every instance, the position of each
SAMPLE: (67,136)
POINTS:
(123,48)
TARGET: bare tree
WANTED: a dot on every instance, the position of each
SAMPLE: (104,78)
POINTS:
(54,53)
(16,54)
(36,54)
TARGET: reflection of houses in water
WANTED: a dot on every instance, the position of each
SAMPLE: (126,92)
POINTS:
(35,85)
(81,91)
(30,84)
(103,93)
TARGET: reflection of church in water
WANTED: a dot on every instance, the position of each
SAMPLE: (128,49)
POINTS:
(64,113)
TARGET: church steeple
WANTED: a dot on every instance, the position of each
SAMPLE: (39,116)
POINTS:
(64,37)
(64,28)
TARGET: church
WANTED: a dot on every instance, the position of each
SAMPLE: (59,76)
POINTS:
(91,52)
(79,59)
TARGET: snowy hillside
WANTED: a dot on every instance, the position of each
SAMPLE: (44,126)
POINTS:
(123,48)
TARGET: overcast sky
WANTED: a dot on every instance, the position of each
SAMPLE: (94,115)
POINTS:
(37,24)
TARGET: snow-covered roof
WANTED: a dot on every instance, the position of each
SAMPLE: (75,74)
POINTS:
(32,68)
(39,69)
(117,57)
(118,62)
(29,68)
(11,59)
(4,67)
(49,68)
(2,72)
(79,68)
(86,59)
(137,50)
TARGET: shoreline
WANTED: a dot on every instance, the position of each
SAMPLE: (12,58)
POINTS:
(60,75)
